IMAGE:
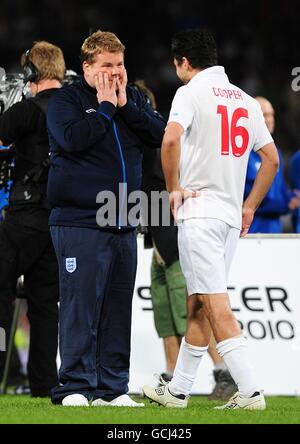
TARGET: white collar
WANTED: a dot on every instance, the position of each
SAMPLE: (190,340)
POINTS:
(207,72)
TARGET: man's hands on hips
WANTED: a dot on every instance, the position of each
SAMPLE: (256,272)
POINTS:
(177,197)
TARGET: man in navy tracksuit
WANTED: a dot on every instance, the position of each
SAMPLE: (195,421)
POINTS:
(279,200)
(96,129)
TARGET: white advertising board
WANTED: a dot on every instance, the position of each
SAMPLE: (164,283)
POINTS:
(264,288)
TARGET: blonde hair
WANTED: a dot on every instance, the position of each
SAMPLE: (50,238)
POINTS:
(48,59)
(99,42)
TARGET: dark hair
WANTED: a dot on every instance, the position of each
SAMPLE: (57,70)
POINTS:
(197,45)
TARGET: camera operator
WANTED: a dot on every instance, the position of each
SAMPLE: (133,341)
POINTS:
(25,242)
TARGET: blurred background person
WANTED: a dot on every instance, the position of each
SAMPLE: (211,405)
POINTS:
(25,242)
(294,178)
(168,290)
(279,201)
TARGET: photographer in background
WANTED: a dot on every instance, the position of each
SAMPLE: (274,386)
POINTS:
(25,242)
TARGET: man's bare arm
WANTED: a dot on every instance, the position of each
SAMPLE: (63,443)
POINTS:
(170,155)
(170,158)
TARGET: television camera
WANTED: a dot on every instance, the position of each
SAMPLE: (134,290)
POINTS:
(13,89)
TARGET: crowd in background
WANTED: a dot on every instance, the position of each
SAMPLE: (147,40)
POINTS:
(253,46)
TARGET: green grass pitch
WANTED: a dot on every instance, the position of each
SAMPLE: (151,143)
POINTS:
(26,410)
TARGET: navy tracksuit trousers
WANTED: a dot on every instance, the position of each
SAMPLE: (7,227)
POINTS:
(97,274)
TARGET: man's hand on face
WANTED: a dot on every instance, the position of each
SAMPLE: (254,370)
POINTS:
(121,86)
(106,91)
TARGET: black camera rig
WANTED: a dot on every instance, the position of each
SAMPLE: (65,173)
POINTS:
(13,89)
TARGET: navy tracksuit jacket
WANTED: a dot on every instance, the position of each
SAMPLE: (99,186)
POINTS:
(94,148)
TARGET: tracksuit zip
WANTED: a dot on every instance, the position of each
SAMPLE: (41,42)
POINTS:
(123,174)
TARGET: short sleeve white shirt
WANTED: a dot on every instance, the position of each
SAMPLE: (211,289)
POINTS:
(222,124)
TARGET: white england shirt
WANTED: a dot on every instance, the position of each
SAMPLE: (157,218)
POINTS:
(222,124)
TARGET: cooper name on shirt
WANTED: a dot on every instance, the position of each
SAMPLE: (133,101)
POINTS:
(228,93)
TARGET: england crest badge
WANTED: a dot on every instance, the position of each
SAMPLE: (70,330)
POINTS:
(71,264)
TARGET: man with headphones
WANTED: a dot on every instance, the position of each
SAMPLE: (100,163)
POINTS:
(25,242)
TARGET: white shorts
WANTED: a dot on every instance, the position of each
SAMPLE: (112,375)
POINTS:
(206,249)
